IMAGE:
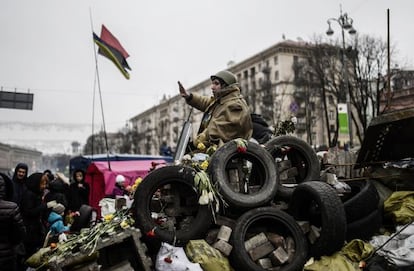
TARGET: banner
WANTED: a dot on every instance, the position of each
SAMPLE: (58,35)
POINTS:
(343,118)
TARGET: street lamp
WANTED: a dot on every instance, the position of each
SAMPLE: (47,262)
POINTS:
(345,22)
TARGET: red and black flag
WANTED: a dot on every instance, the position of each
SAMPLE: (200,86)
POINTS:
(110,47)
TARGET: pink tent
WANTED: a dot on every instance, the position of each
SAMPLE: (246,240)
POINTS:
(101,179)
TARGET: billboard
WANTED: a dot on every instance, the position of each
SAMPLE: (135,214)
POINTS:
(16,100)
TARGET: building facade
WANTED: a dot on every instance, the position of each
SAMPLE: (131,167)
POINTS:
(10,156)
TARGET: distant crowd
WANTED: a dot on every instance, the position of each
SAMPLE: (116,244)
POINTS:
(35,210)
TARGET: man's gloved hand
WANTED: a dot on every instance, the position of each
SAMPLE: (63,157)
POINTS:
(182,90)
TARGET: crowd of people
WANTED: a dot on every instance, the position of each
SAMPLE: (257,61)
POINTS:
(35,207)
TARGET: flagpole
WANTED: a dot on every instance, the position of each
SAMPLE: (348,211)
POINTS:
(100,93)
(93,115)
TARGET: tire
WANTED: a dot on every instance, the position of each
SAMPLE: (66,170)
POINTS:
(362,200)
(176,183)
(318,203)
(8,187)
(267,219)
(365,227)
(83,220)
(262,178)
(301,155)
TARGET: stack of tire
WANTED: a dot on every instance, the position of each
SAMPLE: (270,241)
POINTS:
(363,210)
(252,204)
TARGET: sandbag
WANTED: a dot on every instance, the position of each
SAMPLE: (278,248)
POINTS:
(209,258)
(357,250)
(335,262)
(39,258)
(400,207)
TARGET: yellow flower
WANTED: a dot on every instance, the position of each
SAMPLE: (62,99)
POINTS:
(124,224)
(108,217)
(204,165)
(201,146)
(138,181)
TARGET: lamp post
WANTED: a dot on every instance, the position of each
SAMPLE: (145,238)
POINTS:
(345,22)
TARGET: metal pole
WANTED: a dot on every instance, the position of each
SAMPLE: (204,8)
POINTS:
(388,103)
(341,21)
(346,87)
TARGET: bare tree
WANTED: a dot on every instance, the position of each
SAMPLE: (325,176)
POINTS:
(322,74)
(365,65)
(368,57)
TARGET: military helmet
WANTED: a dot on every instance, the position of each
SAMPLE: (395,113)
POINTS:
(225,76)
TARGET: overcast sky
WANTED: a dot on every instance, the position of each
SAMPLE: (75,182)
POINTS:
(46,46)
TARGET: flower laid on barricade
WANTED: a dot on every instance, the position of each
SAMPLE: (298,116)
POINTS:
(134,187)
(241,145)
(285,127)
(86,241)
(199,160)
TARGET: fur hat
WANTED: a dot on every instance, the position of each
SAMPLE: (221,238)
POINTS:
(58,208)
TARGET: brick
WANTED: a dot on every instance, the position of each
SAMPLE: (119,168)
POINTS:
(255,241)
(211,236)
(261,250)
(304,225)
(223,247)
(313,234)
(276,239)
(224,233)
(264,263)
(279,256)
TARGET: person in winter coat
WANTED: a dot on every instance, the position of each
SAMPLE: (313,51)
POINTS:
(56,224)
(58,191)
(34,212)
(78,191)
(226,113)
(121,188)
(12,230)
(19,182)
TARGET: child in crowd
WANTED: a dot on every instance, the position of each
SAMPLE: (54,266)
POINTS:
(56,224)
(121,188)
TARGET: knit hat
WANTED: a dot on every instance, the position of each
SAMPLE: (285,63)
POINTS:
(119,179)
(58,208)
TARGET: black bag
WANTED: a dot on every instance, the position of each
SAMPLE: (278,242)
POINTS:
(261,130)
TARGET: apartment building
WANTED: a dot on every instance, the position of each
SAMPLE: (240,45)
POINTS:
(11,155)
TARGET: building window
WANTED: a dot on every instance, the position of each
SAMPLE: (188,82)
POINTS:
(252,72)
(295,59)
(331,115)
(330,99)
(276,75)
(275,60)
(254,84)
(245,74)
